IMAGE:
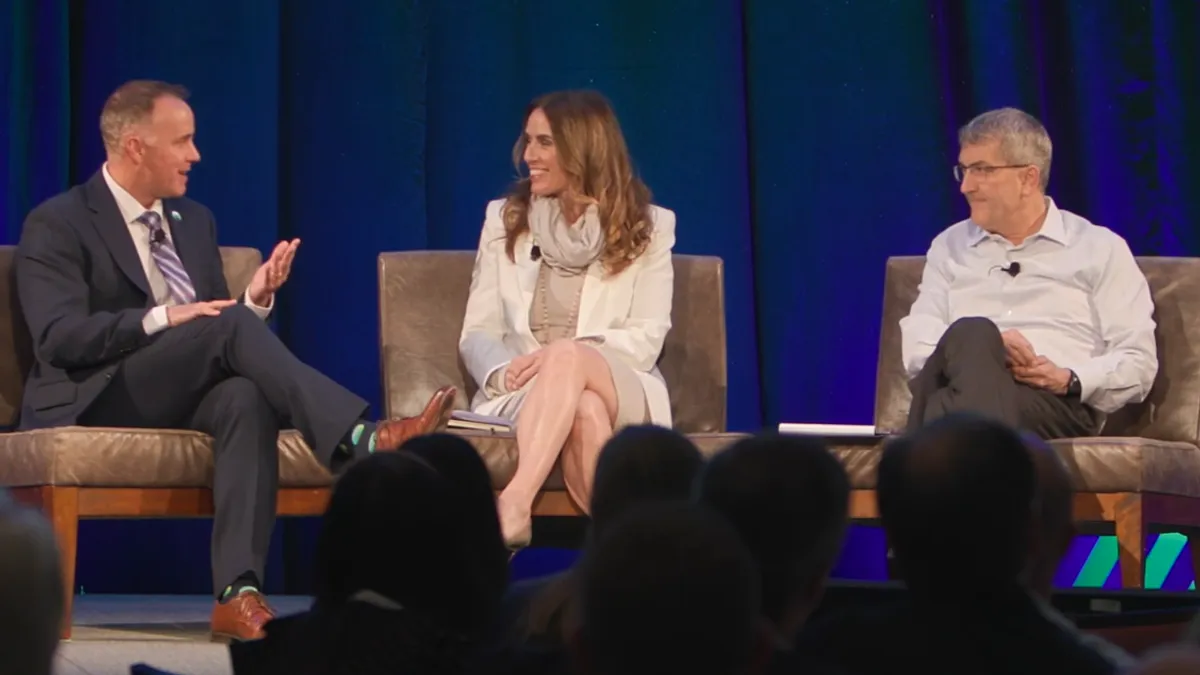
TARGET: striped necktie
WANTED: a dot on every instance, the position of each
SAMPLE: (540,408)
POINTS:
(163,252)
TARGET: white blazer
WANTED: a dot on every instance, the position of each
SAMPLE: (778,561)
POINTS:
(630,312)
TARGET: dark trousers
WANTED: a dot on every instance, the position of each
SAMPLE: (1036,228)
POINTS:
(967,372)
(230,377)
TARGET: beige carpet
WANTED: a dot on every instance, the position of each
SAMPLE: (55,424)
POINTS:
(113,632)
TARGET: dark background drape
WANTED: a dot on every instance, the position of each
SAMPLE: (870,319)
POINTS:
(803,142)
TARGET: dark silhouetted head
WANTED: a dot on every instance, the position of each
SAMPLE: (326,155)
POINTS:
(639,463)
(458,462)
(788,498)
(957,499)
(31,590)
(668,588)
(397,526)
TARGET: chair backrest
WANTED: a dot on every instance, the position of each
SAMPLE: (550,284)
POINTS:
(423,296)
(16,350)
(1170,413)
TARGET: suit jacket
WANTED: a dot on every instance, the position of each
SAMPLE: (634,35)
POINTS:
(630,312)
(84,293)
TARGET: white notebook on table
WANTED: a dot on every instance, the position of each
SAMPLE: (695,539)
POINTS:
(828,430)
(465,419)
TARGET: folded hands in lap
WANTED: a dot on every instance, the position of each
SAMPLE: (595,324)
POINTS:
(1029,368)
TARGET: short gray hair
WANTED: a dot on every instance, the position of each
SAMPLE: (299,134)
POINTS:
(131,104)
(1023,139)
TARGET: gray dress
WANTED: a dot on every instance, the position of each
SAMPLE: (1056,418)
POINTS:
(554,315)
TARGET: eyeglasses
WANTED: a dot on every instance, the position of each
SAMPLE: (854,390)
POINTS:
(981,171)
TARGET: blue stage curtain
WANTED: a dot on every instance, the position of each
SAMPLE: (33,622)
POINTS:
(36,116)
(803,143)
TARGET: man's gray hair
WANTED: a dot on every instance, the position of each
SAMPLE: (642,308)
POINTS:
(1023,139)
(31,590)
(132,103)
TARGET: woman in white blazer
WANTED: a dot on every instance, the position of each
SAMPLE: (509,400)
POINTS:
(570,301)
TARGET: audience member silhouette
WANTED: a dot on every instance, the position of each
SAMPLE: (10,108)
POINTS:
(788,498)
(31,591)
(958,499)
(486,568)
(403,574)
(669,588)
(639,463)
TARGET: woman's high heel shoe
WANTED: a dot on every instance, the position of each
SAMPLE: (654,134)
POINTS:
(520,539)
(517,527)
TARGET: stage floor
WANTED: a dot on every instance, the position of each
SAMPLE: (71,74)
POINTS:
(170,632)
(113,632)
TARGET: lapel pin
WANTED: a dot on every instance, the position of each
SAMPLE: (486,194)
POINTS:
(175,216)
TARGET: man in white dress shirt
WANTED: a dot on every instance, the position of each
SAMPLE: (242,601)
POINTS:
(1026,312)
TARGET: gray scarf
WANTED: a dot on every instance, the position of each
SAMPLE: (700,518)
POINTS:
(569,247)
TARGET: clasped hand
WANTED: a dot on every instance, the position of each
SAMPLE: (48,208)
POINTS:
(1029,368)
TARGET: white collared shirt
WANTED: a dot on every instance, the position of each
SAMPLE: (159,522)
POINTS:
(131,209)
(1079,298)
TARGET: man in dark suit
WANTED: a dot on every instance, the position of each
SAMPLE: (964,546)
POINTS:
(121,283)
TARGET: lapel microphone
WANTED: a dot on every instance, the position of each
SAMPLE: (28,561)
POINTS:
(535,253)
(158,236)
(1013,269)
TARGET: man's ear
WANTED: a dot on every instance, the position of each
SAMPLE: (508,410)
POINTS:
(132,146)
(1031,182)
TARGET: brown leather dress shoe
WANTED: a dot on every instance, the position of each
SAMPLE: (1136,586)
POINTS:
(391,434)
(242,618)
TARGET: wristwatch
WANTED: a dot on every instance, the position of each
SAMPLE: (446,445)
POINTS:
(1074,388)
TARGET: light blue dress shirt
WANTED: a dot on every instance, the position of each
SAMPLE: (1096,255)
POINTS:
(1079,298)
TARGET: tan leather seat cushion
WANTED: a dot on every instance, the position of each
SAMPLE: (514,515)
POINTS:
(1096,464)
(103,457)
(100,457)
(147,458)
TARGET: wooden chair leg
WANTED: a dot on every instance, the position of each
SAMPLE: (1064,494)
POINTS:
(1131,541)
(61,505)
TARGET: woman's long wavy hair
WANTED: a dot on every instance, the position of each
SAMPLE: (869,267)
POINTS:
(591,151)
